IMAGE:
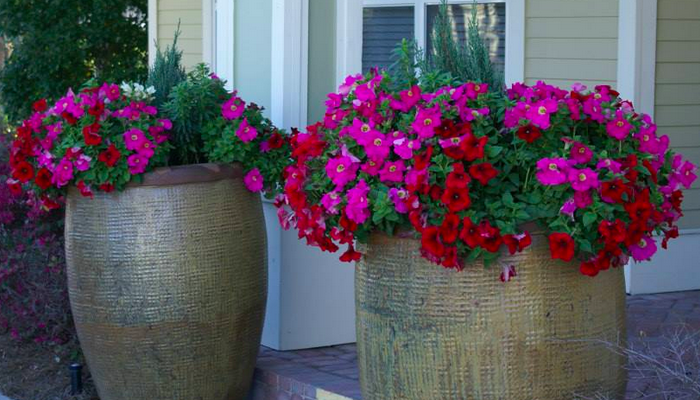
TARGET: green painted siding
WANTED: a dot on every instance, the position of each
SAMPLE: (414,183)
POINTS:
(677,110)
(322,34)
(189,13)
(570,41)
(253,41)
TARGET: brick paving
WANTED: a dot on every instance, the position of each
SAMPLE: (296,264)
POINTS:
(331,373)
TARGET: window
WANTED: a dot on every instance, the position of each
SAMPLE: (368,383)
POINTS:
(369,30)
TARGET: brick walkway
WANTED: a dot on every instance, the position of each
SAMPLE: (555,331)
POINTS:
(331,373)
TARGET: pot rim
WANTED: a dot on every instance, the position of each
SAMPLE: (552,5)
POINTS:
(192,173)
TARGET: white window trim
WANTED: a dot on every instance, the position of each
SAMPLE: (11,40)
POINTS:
(152,30)
(349,33)
(290,63)
(636,65)
(218,38)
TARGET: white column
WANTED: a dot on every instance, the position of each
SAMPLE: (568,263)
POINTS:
(348,38)
(152,30)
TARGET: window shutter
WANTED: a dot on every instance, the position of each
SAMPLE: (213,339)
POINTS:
(492,26)
(383,28)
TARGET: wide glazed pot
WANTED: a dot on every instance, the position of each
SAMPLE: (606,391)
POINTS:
(427,333)
(168,284)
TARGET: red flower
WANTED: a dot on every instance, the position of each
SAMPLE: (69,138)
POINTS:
(276,141)
(561,245)
(529,133)
(458,179)
(449,230)
(640,209)
(430,241)
(347,224)
(91,136)
(107,187)
(350,255)
(110,156)
(612,232)
(436,192)
(589,268)
(474,148)
(452,260)
(614,190)
(23,172)
(39,106)
(14,186)
(97,110)
(71,120)
(416,219)
(470,233)
(635,231)
(668,235)
(483,172)
(491,239)
(676,200)
(422,161)
(84,189)
(43,178)
(456,199)
(517,243)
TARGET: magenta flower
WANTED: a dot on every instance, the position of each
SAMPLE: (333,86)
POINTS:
(469,114)
(134,139)
(254,180)
(580,153)
(372,167)
(365,92)
(568,208)
(246,132)
(82,163)
(686,174)
(643,250)
(583,179)
(137,163)
(63,173)
(147,149)
(362,131)
(619,128)
(610,164)
(377,146)
(341,170)
(348,84)
(552,171)
(594,109)
(583,199)
(405,147)
(650,143)
(539,113)
(110,91)
(45,159)
(574,108)
(399,197)
(233,108)
(473,90)
(357,209)
(330,202)
(392,171)
(426,121)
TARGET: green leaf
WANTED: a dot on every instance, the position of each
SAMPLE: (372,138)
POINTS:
(588,218)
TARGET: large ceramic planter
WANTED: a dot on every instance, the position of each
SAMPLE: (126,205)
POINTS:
(428,333)
(168,284)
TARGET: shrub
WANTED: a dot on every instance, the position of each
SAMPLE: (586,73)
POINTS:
(167,72)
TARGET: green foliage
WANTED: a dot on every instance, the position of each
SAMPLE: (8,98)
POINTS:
(167,71)
(191,105)
(449,62)
(60,44)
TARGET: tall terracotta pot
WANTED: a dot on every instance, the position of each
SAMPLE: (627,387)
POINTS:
(428,333)
(168,284)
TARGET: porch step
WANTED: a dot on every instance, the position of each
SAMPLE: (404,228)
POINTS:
(328,373)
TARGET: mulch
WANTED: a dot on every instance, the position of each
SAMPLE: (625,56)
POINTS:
(30,371)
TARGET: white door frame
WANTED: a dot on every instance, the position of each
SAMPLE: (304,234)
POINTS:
(349,33)
(218,38)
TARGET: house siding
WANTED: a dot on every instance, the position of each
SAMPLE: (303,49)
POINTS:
(189,13)
(677,99)
(570,41)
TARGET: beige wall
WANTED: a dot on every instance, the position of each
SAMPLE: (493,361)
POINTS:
(189,12)
(570,41)
(677,110)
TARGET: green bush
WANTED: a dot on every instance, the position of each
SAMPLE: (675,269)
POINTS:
(61,44)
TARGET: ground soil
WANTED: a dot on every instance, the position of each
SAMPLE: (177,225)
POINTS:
(32,372)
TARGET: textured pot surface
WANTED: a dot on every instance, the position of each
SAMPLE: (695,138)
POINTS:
(427,333)
(168,284)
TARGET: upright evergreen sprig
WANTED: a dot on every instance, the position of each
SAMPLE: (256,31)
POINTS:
(167,70)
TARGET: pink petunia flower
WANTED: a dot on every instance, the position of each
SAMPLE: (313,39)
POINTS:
(568,208)
(233,108)
(686,174)
(469,114)
(583,179)
(610,164)
(619,127)
(330,202)
(399,197)
(246,132)
(392,171)
(426,121)
(137,163)
(539,112)
(253,180)
(406,147)
(341,170)
(63,173)
(134,139)
(372,167)
(594,110)
(643,250)
(82,163)
(377,146)
(357,209)
(552,171)
(580,153)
